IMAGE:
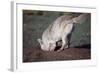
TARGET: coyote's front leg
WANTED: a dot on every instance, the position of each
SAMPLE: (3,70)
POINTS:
(64,43)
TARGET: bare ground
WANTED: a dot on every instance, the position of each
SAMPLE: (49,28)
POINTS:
(37,55)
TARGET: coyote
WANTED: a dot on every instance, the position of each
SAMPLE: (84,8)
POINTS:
(59,30)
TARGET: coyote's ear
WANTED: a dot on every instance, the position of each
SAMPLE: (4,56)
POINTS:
(40,41)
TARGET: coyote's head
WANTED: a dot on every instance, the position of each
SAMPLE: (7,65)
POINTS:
(46,46)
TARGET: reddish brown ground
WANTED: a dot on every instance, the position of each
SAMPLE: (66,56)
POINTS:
(36,55)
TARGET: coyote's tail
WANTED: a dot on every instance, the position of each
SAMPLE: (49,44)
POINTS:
(81,18)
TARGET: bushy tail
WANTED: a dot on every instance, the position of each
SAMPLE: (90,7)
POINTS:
(81,18)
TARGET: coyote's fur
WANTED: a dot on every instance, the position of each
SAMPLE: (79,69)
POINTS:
(59,30)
